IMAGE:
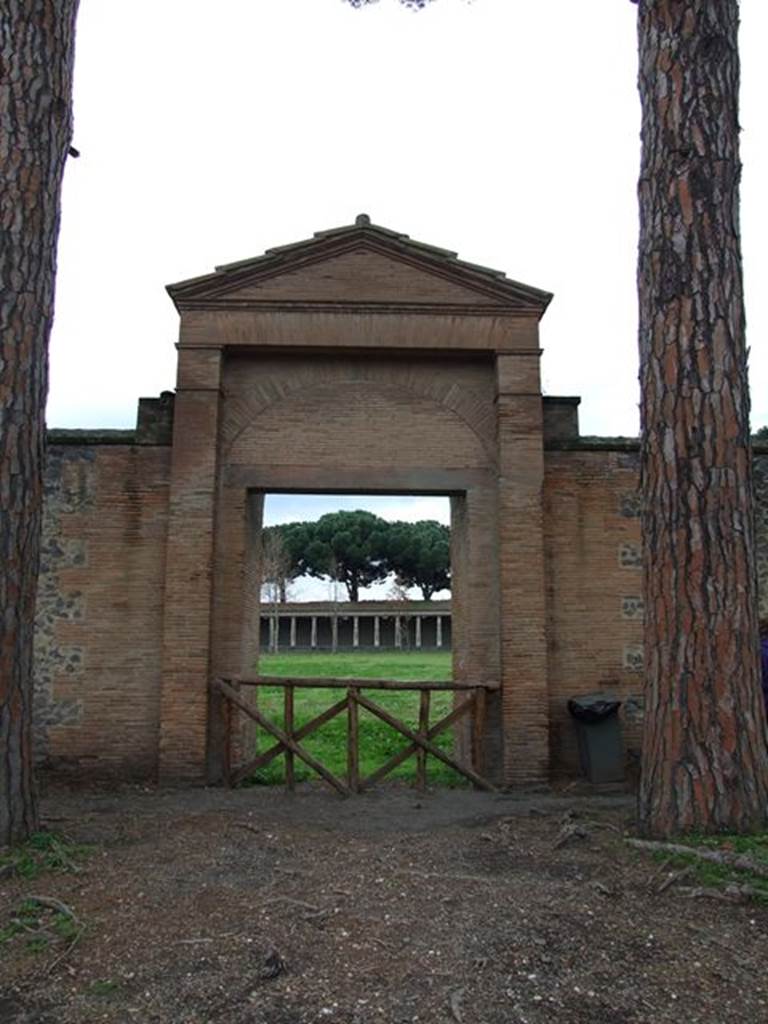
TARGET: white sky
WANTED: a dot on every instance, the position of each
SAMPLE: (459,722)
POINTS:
(503,129)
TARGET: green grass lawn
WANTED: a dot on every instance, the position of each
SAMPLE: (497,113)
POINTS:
(402,665)
(378,741)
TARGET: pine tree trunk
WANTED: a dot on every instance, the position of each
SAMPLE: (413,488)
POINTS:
(36,57)
(704,747)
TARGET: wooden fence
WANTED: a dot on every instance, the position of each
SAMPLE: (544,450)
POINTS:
(420,740)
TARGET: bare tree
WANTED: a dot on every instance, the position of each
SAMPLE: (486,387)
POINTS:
(334,573)
(704,750)
(398,594)
(36,58)
(275,571)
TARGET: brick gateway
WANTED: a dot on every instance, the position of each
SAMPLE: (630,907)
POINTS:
(356,361)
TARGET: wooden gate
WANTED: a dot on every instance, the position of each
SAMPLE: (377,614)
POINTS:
(420,740)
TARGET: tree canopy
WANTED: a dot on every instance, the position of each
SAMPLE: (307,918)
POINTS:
(359,549)
(419,554)
(348,547)
(415,5)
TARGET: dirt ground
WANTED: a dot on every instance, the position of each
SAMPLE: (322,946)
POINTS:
(254,907)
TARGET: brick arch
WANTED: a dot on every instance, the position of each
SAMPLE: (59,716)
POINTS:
(472,409)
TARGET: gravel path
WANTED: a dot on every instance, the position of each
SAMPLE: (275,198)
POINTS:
(253,907)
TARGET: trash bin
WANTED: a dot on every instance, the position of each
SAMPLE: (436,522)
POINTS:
(598,729)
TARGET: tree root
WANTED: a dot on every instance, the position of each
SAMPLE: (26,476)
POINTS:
(732,893)
(675,876)
(63,956)
(51,903)
(570,830)
(724,858)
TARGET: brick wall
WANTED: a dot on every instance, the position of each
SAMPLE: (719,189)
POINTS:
(594,586)
(100,607)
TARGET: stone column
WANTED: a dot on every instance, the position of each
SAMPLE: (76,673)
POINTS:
(272,633)
(398,638)
(525,696)
(189,574)
(439,631)
(355,631)
(418,631)
(376,631)
(313,632)
(335,632)
(293,631)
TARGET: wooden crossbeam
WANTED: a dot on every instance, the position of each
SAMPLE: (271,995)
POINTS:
(353,741)
(421,756)
(262,760)
(286,740)
(411,749)
(290,779)
(342,682)
(430,748)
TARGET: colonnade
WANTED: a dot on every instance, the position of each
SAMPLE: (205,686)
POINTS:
(401,633)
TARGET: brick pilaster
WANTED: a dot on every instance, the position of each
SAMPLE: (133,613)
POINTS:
(525,703)
(188,580)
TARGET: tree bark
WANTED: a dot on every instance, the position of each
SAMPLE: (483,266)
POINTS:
(704,747)
(36,60)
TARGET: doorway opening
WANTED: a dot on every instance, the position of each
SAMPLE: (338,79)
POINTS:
(357,642)
(363,575)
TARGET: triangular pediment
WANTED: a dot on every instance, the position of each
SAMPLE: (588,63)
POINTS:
(362,265)
(362,275)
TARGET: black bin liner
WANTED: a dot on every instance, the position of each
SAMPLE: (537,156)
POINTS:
(594,707)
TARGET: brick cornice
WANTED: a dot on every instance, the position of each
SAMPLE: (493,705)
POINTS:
(216,303)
